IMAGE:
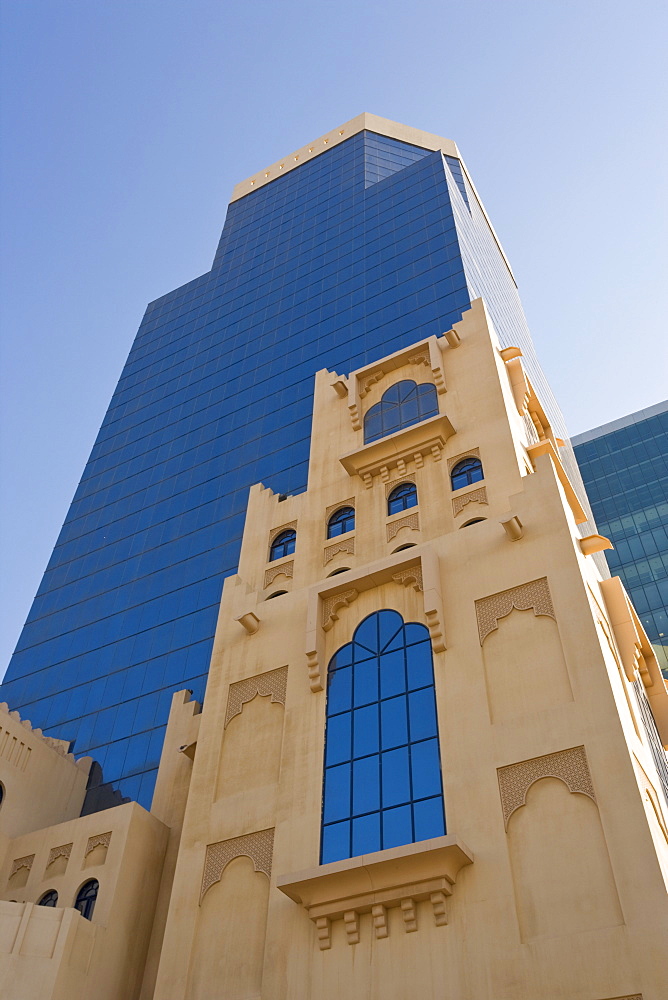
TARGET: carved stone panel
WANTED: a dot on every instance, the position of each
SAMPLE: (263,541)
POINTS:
(101,840)
(331,606)
(18,863)
(471,453)
(64,851)
(258,847)
(410,577)
(273,683)
(410,521)
(286,569)
(350,502)
(282,527)
(347,545)
(395,482)
(515,780)
(475,496)
(535,595)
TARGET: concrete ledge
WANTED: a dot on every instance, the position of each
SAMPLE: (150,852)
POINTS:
(398,877)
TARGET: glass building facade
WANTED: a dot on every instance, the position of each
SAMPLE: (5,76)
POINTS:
(358,252)
(624,465)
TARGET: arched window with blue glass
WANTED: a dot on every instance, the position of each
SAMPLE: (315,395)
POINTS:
(402,405)
(466,472)
(283,544)
(86,898)
(341,521)
(401,498)
(382,782)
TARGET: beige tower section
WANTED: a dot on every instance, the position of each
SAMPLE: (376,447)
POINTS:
(550,882)
(49,851)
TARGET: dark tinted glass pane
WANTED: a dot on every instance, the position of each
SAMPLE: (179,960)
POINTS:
(394,393)
(343,657)
(392,674)
(426,769)
(409,412)
(339,690)
(389,622)
(366,834)
(366,784)
(422,712)
(396,785)
(366,730)
(367,633)
(416,633)
(397,827)
(366,682)
(372,427)
(336,842)
(418,659)
(396,642)
(338,739)
(392,421)
(337,793)
(428,817)
(394,726)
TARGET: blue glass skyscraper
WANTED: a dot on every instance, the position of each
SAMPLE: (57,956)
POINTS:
(355,246)
(624,465)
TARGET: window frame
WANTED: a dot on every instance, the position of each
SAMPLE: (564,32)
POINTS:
(337,513)
(411,490)
(478,466)
(46,895)
(86,910)
(423,397)
(287,536)
(406,733)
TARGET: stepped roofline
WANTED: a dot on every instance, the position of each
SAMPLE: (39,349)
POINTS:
(365,121)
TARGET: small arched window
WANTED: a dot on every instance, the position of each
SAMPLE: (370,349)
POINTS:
(382,782)
(403,404)
(283,544)
(2,792)
(474,520)
(402,497)
(277,593)
(49,898)
(466,472)
(86,898)
(341,521)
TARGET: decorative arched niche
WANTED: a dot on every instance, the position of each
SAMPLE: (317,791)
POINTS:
(231,923)
(562,875)
(524,664)
(253,734)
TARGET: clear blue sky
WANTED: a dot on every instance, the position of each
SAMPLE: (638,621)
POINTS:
(125,124)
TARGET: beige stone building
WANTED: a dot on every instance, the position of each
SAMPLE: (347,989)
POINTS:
(431,761)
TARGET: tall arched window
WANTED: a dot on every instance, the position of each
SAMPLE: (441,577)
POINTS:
(402,497)
(283,544)
(49,898)
(86,898)
(403,404)
(342,520)
(382,784)
(466,472)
